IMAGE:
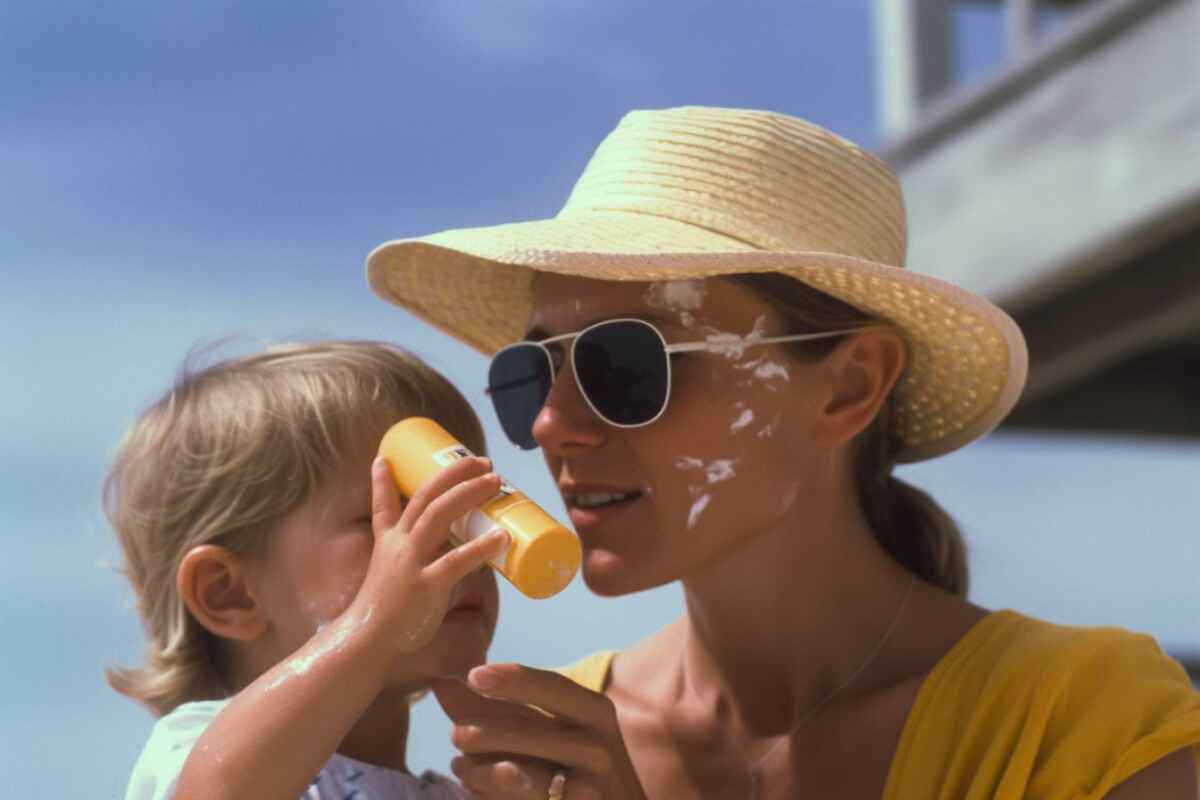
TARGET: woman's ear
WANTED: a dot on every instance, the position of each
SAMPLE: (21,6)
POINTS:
(213,584)
(863,371)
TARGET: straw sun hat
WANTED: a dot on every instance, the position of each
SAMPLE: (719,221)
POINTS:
(696,192)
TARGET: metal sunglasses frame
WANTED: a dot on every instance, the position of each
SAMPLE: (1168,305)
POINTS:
(679,347)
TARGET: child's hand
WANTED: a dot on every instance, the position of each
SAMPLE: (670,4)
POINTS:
(411,577)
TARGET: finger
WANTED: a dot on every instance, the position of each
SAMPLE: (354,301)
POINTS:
(432,529)
(548,739)
(507,776)
(447,477)
(463,704)
(385,498)
(554,693)
(461,561)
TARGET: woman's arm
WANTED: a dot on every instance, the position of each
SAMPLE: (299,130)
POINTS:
(1172,777)
(519,726)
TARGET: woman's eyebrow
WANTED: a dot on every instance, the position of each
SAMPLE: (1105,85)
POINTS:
(537,332)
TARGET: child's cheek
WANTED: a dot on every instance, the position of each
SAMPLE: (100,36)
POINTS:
(339,584)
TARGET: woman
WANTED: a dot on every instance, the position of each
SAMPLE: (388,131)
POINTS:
(719,352)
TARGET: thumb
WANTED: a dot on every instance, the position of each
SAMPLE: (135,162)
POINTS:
(462,704)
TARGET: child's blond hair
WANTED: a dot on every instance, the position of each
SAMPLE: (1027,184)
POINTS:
(229,451)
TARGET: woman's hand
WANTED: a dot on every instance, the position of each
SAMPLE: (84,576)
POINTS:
(519,727)
(412,575)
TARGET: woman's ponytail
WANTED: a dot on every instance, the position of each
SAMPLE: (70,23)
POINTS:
(909,524)
(911,527)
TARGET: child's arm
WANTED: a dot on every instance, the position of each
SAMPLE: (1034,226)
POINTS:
(274,736)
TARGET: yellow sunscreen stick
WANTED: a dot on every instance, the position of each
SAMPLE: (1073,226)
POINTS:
(544,555)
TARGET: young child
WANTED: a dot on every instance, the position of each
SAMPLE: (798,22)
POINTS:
(292,607)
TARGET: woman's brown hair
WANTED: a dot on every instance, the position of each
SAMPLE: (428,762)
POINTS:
(910,526)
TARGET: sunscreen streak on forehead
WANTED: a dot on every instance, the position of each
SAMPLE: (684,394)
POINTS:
(683,296)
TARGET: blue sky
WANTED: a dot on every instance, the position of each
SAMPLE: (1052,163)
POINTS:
(176,173)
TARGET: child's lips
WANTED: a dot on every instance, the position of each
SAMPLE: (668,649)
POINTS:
(469,606)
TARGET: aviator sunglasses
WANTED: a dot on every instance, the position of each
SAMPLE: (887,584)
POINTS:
(622,368)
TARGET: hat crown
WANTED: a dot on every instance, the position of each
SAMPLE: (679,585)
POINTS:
(767,180)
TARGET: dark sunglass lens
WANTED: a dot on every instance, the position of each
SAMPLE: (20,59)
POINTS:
(519,381)
(622,368)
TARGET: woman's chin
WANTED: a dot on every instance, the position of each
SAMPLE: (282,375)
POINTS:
(607,575)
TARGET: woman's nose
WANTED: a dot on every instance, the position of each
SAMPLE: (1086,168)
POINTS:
(566,421)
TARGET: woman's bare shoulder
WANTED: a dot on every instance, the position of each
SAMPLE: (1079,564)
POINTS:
(642,674)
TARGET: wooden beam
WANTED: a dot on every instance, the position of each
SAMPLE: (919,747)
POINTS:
(1121,354)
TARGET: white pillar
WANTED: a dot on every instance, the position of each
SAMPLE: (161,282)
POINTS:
(1021,27)
(913,42)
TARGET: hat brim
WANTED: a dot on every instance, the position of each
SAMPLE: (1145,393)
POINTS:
(967,358)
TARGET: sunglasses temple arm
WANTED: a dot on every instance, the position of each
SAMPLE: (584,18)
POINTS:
(800,337)
(510,385)
(691,347)
(688,347)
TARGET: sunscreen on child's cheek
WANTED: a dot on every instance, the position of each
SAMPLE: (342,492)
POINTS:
(543,556)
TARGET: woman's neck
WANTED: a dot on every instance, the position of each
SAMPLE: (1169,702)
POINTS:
(780,622)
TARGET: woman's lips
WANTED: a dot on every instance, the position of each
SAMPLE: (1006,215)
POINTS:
(597,515)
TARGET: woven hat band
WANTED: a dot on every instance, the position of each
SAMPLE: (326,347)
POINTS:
(772,182)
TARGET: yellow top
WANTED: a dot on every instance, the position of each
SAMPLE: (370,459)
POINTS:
(1021,708)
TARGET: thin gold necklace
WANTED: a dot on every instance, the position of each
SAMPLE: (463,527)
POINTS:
(755,769)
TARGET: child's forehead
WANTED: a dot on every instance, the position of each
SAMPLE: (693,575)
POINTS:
(347,489)
(350,469)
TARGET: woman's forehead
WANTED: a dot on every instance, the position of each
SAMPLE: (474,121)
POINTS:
(563,303)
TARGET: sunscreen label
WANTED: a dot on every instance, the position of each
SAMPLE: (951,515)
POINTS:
(448,455)
(473,525)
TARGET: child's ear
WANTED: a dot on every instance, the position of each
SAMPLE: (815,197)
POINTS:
(863,372)
(213,584)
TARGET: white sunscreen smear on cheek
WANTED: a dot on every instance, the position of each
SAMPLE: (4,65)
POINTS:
(744,419)
(772,370)
(720,470)
(733,345)
(768,430)
(714,471)
(696,510)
